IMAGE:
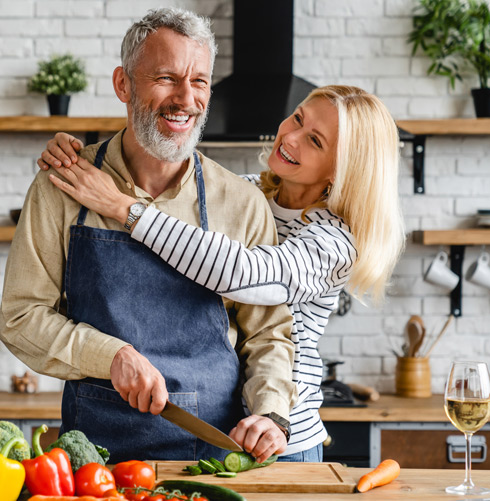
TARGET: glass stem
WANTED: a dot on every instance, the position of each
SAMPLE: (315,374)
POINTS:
(467,481)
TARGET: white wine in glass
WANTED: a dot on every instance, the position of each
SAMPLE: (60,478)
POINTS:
(467,405)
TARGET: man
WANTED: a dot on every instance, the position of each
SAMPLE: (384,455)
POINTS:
(84,302)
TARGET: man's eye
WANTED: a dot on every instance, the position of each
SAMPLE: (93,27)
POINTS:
(165,78)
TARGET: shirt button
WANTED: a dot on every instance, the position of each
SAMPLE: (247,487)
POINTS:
(128,185)
(152,205)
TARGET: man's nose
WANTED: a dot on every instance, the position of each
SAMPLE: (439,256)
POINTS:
(183,94)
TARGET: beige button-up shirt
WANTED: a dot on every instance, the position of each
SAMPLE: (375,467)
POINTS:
(33,324)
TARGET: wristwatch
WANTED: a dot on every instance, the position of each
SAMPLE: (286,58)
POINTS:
(135,212)
(282,423)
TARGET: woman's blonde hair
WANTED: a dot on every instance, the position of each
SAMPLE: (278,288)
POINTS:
(365,190)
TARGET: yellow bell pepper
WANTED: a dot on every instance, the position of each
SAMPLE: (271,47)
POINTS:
(12,473)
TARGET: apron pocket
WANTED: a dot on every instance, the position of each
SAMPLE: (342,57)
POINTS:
(127,433)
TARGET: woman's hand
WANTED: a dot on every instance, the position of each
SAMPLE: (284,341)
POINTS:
(259,436)
(94,189)
(62,149)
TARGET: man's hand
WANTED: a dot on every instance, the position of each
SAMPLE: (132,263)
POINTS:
(138,381)
(259,436)
(61,150)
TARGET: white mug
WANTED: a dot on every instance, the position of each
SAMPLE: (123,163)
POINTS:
(439,274)
(479,272)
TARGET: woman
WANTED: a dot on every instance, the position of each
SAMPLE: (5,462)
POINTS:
(332,187)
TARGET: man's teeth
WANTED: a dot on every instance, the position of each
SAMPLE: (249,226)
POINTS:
(287,156)
(176,118)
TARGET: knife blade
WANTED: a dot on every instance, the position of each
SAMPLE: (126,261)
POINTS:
(198,427)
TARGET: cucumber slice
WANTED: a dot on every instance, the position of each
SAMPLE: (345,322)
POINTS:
(194,470)
(217,464)
(206,466)
(225,474)
(242,461)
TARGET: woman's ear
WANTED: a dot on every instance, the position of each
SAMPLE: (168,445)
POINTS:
(122,84)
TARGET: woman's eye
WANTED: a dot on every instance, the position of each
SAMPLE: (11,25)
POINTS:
(297,118)
(316,142)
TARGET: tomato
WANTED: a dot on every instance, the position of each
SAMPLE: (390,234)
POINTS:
(114,493)
(139,496)
(93,479)
(134,474)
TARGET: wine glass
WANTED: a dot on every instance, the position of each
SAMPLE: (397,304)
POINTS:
(467,405)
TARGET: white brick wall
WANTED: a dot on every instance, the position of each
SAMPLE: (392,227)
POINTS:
(355,42)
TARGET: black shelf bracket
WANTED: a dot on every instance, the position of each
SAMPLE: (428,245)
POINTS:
(456,257)
(418,146)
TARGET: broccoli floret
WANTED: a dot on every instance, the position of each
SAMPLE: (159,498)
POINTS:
(79,449)
(9,430)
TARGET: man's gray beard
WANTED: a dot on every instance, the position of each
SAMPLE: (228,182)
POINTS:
(145,125)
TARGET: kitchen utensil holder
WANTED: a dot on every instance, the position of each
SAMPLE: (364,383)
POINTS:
(412,377)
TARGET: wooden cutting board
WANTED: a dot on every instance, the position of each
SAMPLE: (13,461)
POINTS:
(278,477)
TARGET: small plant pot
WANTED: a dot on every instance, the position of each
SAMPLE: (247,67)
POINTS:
(481,100)
(58,104)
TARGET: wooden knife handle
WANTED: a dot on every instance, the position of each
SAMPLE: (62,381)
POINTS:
(364,392)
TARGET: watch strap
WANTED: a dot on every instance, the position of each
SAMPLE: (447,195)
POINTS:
(281,422)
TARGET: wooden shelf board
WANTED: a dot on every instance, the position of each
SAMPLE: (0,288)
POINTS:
(61,123)
(6,233)
(449,126)
(473,236)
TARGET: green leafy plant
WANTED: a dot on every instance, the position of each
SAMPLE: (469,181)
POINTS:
(453,33)
(59,75)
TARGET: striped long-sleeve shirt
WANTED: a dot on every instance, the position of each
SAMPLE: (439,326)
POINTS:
(307,271)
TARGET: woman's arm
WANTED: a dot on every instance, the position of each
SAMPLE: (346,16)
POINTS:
(315,262)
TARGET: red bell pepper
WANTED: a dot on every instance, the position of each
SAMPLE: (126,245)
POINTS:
(49,474)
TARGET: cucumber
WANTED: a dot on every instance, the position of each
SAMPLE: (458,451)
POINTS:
(241,461)
(194,470)
(213,492)
(217,464)
(226,474)
(206,466)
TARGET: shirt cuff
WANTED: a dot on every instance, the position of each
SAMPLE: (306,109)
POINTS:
(271,402)
(144,223)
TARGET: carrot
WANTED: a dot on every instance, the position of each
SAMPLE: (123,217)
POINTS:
(383,474)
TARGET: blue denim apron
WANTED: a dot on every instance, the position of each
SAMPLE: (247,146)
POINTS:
(120,287)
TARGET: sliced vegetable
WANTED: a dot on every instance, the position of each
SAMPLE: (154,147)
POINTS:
(206,466)
(214,492)
(134,474)
(93,479)
(40,497)
(226,474)
(12,473)
(383,474)
(217,464)
(194,470)
(241,461)
(50,473)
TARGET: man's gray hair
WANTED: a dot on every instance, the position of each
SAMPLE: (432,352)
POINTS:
(181,21)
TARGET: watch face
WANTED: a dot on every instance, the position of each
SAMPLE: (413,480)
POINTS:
(137,209)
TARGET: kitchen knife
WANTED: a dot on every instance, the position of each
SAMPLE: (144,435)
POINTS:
(198,427)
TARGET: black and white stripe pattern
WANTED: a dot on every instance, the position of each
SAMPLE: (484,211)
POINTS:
(307,271)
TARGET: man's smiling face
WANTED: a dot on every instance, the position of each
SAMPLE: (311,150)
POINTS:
(170,91)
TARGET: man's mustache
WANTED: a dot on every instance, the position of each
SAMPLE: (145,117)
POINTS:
(173,110)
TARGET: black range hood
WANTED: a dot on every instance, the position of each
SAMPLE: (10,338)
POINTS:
(250,104)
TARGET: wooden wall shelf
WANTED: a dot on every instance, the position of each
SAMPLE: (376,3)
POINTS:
(446,127)
(472,236)
(6,233)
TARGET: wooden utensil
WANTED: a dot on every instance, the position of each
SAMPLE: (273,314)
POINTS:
(446,325)
(414,333)
(278,477)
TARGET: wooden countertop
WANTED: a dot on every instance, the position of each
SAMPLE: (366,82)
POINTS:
(44,405)
(412,484)
(389,408)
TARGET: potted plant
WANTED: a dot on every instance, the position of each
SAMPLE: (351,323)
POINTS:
(58,78)
(455,34)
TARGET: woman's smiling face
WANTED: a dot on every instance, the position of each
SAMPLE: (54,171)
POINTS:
(305,148)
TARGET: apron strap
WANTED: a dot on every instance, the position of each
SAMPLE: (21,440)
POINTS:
(99,157)
(201,191)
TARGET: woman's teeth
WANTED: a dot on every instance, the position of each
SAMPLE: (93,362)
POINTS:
(287,156)
(176,118)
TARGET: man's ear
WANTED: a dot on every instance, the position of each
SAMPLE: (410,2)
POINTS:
(122,84)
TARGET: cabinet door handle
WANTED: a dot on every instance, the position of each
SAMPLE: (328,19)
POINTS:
(456,444)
